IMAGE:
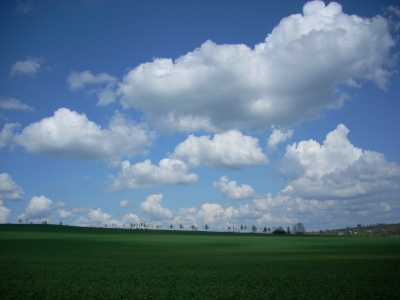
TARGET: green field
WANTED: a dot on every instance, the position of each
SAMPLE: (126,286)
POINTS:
(61,262)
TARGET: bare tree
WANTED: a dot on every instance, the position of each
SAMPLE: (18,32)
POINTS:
(299,228)
(254,228)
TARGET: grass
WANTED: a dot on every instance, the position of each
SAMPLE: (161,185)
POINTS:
(60,262)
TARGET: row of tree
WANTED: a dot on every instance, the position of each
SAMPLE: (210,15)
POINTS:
(298,228)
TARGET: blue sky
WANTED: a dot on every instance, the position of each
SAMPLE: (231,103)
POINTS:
(200,112)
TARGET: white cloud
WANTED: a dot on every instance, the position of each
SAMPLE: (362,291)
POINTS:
(278,136)
(4,213)
(394,15)
(147,175)
(78,80)
(69,134)
(288,78)
(28,67)
(7,134)
(9,190)
(12,103)
(231,191)
(337,169)
(210,212)
(96,215)
(130,219)
(124,203)
(105,95)
(312,159)
(269,219)
(386,206)
(220,217)
(65,214)
(395,10)
(226,150)
(24,7)
(39,207)
(152,206)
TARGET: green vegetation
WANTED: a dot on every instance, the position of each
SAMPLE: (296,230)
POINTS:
(61,262)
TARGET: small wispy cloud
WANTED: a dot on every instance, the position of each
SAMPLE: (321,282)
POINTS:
(12,103)
(24,7)
(28,67)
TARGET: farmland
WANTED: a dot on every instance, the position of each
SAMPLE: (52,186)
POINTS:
(61,262)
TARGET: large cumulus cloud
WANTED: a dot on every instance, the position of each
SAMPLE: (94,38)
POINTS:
(4,213)
(230,190)
(152,206)
(286,79)
(337,169)
(9,190)
(231,150)
(69,134)
(146,175)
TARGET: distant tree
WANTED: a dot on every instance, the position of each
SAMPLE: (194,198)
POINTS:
(288,230)
(60,223)
(265,230)
(299,228)
(206,227)
(269,229)
(384,232)
(19,220)
(241,227)
(44,222)
(229,227)
(245,228)
(254,228)
(27,221)
(181,226)
(279,230)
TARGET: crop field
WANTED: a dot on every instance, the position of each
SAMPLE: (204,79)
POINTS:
(61,262)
